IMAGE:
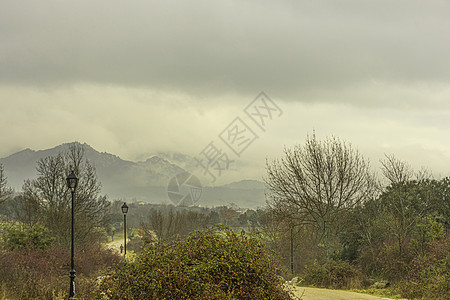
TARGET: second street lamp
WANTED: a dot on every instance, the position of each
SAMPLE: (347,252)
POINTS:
(291,225)
(124,211)
(72,182)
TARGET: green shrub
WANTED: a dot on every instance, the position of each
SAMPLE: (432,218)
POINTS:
(393,263)
(334,274)
(36,237)
(210,264)
(428,277)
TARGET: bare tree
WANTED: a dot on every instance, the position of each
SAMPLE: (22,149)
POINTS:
(228,215)
(406,199)
(5,191)
(396,171)
(316,182)
(171,224)
(49,194)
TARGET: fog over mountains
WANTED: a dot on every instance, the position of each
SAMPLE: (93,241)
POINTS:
(141,181)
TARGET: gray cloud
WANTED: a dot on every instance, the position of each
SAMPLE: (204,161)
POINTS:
(210,47)
(146,76)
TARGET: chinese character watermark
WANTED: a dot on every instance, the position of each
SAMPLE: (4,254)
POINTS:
(213,161)
(238,136)
(185,189)
(262,109)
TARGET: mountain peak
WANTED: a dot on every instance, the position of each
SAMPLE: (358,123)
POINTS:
(76,143)
(23,152)
(144,180)
(246,184)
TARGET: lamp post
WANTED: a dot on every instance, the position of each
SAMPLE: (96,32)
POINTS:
(124,211)
(72,182)
(291,225)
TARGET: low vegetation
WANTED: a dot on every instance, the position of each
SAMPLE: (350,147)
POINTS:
(349,230)
(42,273)
(428,276)
(336,275)
(208,264)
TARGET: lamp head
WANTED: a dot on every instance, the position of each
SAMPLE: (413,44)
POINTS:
(124,208)
(72,181)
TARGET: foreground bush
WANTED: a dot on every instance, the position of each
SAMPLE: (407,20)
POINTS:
(209,264)
(336,275)
(34,273)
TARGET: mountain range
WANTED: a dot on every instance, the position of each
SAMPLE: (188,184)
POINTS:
(141,181)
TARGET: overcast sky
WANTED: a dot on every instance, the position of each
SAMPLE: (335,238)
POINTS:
(137,77)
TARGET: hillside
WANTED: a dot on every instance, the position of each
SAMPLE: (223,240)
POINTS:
(143,180)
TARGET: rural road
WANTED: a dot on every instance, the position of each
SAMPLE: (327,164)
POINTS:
(324,294)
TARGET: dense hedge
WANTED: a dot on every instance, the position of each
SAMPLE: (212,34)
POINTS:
(210,264)
(335,274)
(428,277)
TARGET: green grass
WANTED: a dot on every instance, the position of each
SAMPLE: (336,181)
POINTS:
(119,235)
(380,293)
(370,291)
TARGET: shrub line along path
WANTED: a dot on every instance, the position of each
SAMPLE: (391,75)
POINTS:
(325,294)
(308,292)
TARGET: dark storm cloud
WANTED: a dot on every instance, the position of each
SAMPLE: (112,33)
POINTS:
(204,47)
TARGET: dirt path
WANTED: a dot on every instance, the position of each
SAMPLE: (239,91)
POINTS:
(324,294)
(115,245)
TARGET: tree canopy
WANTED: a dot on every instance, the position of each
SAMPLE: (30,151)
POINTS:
(315,182)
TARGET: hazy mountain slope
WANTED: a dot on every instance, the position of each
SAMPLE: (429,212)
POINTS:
(112,171)
(246,185)
(144,180)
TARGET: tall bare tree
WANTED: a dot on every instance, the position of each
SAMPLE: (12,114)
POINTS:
(49,194)
(407,199)
(395,170)
(317,182)
(172,223)
(5,191)
(398,171)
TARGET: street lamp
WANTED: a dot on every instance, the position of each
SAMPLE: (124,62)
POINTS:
(291,225)
(124,211)
(72,182)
